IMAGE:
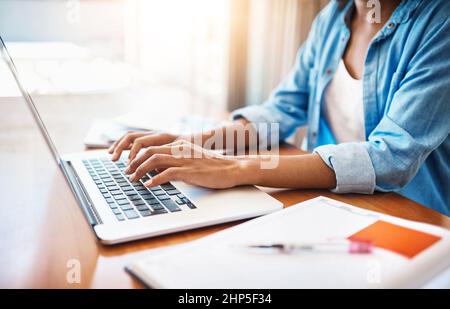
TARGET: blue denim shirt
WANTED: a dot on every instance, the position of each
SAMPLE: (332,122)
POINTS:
(406,103)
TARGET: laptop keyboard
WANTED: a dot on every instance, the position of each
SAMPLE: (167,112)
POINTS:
(129,201)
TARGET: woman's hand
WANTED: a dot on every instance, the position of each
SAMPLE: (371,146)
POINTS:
(135,141)
(187,162)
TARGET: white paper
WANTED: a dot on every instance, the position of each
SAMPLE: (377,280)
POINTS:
(215,262)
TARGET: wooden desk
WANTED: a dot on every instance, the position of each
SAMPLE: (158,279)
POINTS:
(42,227)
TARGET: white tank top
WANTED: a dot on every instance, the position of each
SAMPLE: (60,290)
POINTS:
(344,108)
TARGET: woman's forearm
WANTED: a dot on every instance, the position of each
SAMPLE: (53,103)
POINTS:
(301,172)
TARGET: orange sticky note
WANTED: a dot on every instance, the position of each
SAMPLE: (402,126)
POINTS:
(399,239)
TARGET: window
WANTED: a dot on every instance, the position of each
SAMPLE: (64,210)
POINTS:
(176,48)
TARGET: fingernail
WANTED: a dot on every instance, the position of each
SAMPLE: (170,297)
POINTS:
(148,183)
(132,177)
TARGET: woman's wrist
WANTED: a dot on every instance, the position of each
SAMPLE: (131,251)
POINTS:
(247,171)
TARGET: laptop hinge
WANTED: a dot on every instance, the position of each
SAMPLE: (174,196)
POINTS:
(80,193)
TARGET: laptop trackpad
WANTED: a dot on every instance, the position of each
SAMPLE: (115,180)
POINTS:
(192,192)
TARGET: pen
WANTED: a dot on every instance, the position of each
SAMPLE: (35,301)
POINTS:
(352,247)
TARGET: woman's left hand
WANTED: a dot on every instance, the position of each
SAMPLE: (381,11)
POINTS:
(187,162)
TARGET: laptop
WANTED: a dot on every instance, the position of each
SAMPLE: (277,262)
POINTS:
(120,211)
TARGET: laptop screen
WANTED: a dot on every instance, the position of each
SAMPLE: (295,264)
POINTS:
(6,57)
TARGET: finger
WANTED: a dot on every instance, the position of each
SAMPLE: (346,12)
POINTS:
(124,143)
(139,143)
(134,164)
(157,161)
(111,148)
(170,174)
(114,145)
(135,148)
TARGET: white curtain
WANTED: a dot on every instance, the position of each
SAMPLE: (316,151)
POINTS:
(277,30)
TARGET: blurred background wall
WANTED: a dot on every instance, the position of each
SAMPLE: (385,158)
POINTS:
(222,53)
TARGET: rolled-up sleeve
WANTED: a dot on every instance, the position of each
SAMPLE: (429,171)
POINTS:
(350,177)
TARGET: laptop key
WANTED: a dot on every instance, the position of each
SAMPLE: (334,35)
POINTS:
(168,187)
(141,207)
(170,205)
(179,201)
(134,197)
(153,201)
(117,211)
(126,207)
(130,193)
(159,211)
(120,217)
(163,197)
(123,202)
(146,213)
(138,203)
(109,201)
(191,206)
(156,206)
(119,197)
(173,192)
(131,214)
(185,200)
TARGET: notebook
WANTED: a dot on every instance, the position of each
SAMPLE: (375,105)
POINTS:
(407,254)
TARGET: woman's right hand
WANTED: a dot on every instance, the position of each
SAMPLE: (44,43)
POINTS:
(135,141)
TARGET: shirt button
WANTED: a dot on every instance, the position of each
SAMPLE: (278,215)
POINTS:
(391,25)
(328,71)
